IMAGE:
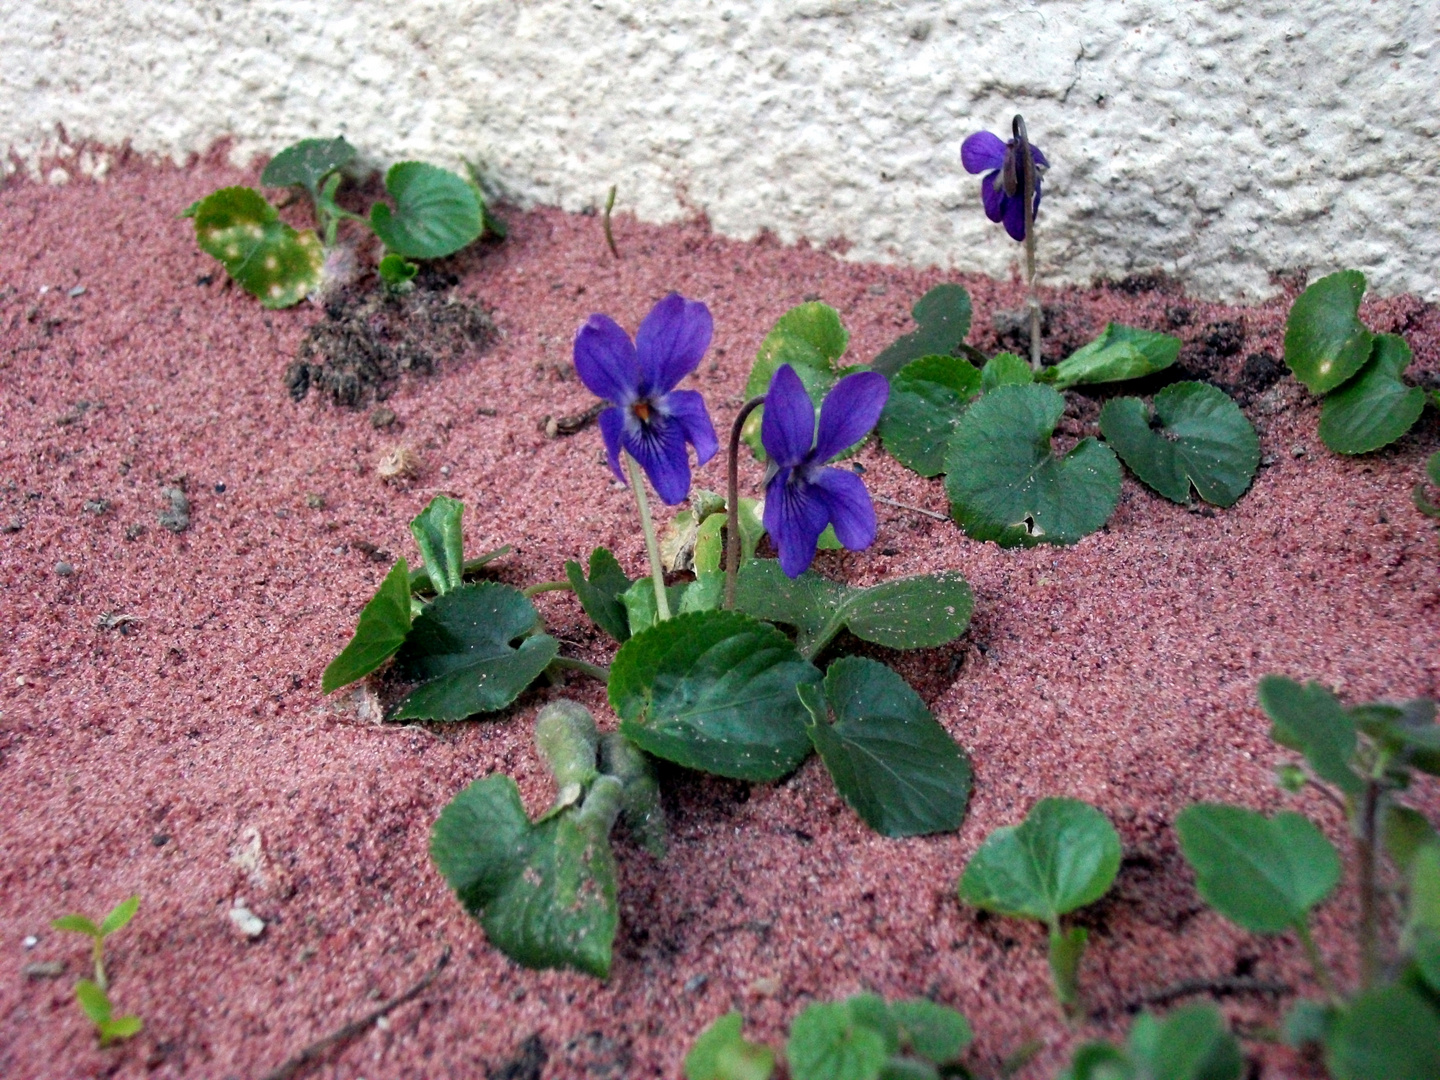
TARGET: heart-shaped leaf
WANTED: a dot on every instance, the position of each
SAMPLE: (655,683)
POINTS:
(934,1032)
(544,892)
(1119,353)
(436,213)
(641,612)
(716,691)
(1192,1043)
(1310,720)
(600,593)
(828,1041)
(926,398)
(384,624)
(1407,731)
(1375,407)
(1203,439)
(1262,874)
(268,258)
(1325,341)
(1006,484)
(919,612)
(1064,855)
(890,759)
(307,163)
(1004,369)
(942,318)
(722,1053)
(397,272)
(1389,1033)
(463,650)
(420,582)
(439,535)
(808,337)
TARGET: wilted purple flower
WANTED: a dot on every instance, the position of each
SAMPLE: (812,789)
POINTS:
(802,495)
(1003,188)
(648,417)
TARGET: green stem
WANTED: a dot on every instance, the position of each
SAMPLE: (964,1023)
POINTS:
(1027,165)
(652,546)
(732,502)
(100,979)
(1369,915)
(1317,962)
(605,221)
(595,671)
(546,586)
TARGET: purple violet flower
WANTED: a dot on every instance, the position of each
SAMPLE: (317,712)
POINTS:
(803,495)
(1002,189)
(648,417)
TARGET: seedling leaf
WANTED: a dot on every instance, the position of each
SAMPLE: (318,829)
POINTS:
(436,212)
(714,691)
(890,759)
(121,1027)
(1390,1033)
(1006,484)
(94,1002)
(439,536)
(722,1053)
(1375,407)
(383,626)
(926,398)
(600,593)
(1119,353)
(942,318)
(1064,855)
(463,651)
(307,163)
(420,579)
(1310,719)
(934,1032)
(1325,342)
(1190,1044)
(121,914)
(1262,874)
(1203,439)
(267,257)
(76,924)
(397,272)
(829,1042)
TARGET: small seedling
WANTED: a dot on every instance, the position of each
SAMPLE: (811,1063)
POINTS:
(93,996)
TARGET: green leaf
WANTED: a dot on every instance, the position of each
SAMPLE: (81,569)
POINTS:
(1306,1023)
(1192,1043)
(890,759)
(396,271)
(705,593)
(710,537)
(942,317)
(1403,832)
(1390,1033)
(1004,369)
(600,593)
(436,213)
(932,1031)
(1325,342)
(1407,732)
(1119,353)
(1309,719)
(121,914)
(1203,439)
(828,1042)
(810,338)
(438,535)
(926,398)
(1375,407)
(1422,920)
(462,650)
(121,1027)
(544,892)
(382,629)
(641,612)
(1064,855)
(1067,948)
(722,1053)
(268,258)
(1426,947)
(420,579)
(307,163)
(1262,874)
(76,924)
(94,1002)
(568,742)
(1006,484)
(714,691)
(918,612)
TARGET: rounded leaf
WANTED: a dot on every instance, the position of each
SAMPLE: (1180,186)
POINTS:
(307,162)
(942,318)
(926,399)
(828,1042)
(1375,407)
(1119,353)
(1391,1033)
(1325,341)
(436,213)
(268,258)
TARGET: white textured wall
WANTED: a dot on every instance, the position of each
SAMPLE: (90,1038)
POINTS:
(1220,141)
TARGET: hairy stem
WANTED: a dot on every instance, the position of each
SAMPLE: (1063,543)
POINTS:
(1317,962)
(1027,166)
(595,671)
(1369,915)
(652,546)
(732,502)
(546,586)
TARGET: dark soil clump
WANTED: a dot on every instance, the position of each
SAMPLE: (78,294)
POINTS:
(370,338)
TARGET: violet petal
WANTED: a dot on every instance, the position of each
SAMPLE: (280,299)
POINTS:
(849,412)
(787,427)
(671,341)
(993,196)
(659,447)
(795,516)
(847,505)
(612,422)
(687,408)
(982,152)
(606,361)
(1015,217)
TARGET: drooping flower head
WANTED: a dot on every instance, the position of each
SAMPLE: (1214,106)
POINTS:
(803,494)
(1002,189)
(648,417)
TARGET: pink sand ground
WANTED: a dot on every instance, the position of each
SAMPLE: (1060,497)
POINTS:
(1121,670)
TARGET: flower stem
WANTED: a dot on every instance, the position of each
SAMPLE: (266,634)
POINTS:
(595,671)
(1322,970)
(732,502)
(652,546)
(1027,164)
(546,586)
(1369,914)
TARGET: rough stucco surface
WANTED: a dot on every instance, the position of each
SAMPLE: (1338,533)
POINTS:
(1222,142)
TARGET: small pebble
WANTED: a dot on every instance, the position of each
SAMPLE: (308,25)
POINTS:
(696,983)
(246,921)
(220,488)
(382,417)
(51,969)
(159,839)
(315,501)
(30,941)
(78,290)
(64,569)
(1297,451)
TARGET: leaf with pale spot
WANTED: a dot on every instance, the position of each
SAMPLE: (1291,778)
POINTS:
(269,259)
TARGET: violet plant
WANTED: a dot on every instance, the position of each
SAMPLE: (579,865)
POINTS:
(436,213)
(93,995)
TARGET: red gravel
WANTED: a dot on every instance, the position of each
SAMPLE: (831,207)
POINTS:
(148,757)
